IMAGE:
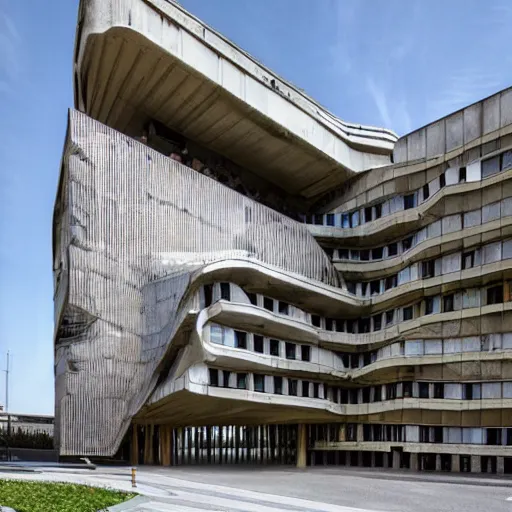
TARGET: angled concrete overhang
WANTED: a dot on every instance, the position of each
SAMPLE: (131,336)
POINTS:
(150,59)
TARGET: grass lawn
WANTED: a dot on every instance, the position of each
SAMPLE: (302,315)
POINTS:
(25,496)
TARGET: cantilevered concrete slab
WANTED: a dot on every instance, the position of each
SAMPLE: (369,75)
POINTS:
(150,59)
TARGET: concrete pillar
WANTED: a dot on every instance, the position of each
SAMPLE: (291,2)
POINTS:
(456,463)
(301,445)
(476,464)
(396,460)
(372,460)
(147,445)
(385,460)
(500,465)
(414,462)
(438,462)
(135,446)
(165,445)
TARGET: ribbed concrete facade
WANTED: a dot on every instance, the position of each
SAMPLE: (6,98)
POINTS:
(215,302)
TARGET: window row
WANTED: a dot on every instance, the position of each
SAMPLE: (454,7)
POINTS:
(454,262)
(444,226)
(452,176)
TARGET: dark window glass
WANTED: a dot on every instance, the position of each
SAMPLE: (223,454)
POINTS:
(407,243)
(368,214)
(258,343)
(462,175)
(448,303)
(426,191)
(305,388)
(292,387)
(390,315)
(423,389)
(253,298)
(351,326)
(225,291)
(329,219)
(407,389)
(208,295)
(305,351)
(428,269)
(343,254)
(442,180)
(506,160)
(490,166)
(214,377)
(407,313)
(438,390)
(274,348)
(290,350)
(318,219)
(268,304)
(284,308)
(468,392)
(468,260)
(377,394)
(241,380)
(377,253)
(495,294)
(364,325)
(364,255)
(259,383)
(329,251)
(355,254)
(315,320)
(225,379)
(329,324)
(391,391)
(429,305)
(278,385)
(375,287)
(378,211)
(351,287)
(391,282)
(377,322)
(408,201)
(240,339)
(392,249)
(316,390)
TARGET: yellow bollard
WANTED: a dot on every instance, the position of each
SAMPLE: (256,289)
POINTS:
(134,472)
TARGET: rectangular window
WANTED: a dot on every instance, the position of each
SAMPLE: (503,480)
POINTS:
(409,201)
(253,298)
(391,282)
(423,389)
(426,191)
(392,249)
(305,352)
(290,350)
(240,339)
(448,303)
(368,214)
(407,390)
(274,347)
(351,287)
(329,219)
(208,295)
(377,322)
(268,304)
(391,391)
(377,253)
(374,287)
(351,326)
(506,160)
(292,387)
(259,383)
(364,255)
(467,392)
(225,379)
(468,260)
(305,388)
(438,390)
(258,344)
(329,251)
(407,243)
(462,175)
(428,269)
(318,219)
(429,305)
(364,325)
(214,377)
(378,211)
(316,390)
(284,308)
(442,180)
(315,320)
(495,294)
(225,291)
(343,254)
(241,380)
(329,324)
(407,313)
(490,166)
(278,385)
(390,315)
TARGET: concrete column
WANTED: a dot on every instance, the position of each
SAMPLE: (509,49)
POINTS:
(301,445)
(385,460)
(414,462)
(135,446)
(372,460)
(360,459)
(147,445)
(165,445)
(438,462)
(476,464)
(500,465)
(456,463)
(396,460)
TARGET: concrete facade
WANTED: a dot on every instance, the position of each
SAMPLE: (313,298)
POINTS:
(214,303)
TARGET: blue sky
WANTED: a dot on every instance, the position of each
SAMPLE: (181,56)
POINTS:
(398,64)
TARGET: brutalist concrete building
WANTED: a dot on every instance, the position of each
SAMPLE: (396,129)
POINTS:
(242,277)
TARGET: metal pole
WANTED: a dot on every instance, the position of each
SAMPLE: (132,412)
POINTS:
(7,385)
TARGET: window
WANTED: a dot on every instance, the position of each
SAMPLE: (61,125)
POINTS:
(448,303)
(364,325)
(377,394)
(364,255)
(351,326)
(391,391)
(274,348)
(490,166)
(259,383)
(351,432)
(258,343)
(429,305)
(467,393)
(368,214)
(377,322)
(329,251)
(428,269)
(278,385)
(423,389)
(390,315)
(268,304)
(329,219)
(391,282)
(315,320)
(253,298)
(407,313)
(468,260)
(392,249)
(438,390)
(407,243)
(408,201)
(284,308)
(225,291)
(318,219)
(442,180)
(506,160)
(339,326)
(292,387)
(407,389)
(208,295)
(225,379)
(351,287)
(305,352)
(316,390)
(374,287)
(290,350)
(305,388)
(214,377)
(378,211)
(495,294)
(241,380)
(426,191)
(494,436)
(343,254)
(240,339)
(329,324)
(377,253)
(462,175)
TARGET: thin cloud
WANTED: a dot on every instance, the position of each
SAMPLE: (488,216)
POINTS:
(9,56)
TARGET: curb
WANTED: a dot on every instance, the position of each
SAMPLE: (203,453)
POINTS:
(130,504)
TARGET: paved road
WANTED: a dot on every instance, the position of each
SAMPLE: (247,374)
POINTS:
(314,490)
